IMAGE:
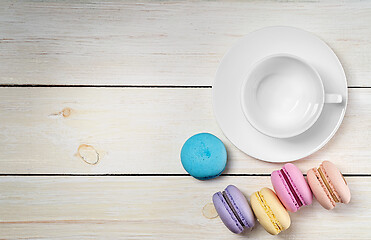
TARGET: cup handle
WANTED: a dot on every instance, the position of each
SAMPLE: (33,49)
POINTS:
(333,98)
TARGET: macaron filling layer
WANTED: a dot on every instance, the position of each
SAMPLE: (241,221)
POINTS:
(292,188)
(344,179)
(228,210)
(269,212)
(328,185)
(231,206)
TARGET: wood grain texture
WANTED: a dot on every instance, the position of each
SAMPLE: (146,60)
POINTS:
(156,207)
(141,130)
(161,42)
(136,130)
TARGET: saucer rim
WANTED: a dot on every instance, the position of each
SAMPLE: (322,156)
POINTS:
(324,141)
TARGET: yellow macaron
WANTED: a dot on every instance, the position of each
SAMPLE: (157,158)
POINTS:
(269,211)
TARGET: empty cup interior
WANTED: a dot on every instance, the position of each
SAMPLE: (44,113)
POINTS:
(282,96)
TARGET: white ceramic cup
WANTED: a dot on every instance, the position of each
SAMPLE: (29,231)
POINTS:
(283,96)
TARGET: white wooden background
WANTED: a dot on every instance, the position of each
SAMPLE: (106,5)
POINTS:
(97,98)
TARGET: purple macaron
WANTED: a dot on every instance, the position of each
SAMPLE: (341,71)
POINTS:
(291,187)
(233,209)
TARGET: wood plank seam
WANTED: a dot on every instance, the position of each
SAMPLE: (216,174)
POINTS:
(149,175)
(113,86)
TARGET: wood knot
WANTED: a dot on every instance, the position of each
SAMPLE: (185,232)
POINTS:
(209,211)
(88,154)
(66,112)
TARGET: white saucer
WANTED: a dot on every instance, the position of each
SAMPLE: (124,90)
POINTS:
(229,78)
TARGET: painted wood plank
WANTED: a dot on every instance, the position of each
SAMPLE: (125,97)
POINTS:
(156,207)
(136,130)
(161,42)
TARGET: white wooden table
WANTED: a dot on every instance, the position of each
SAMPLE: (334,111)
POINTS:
(97,98)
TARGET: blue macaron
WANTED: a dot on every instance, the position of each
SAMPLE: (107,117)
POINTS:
(204,156)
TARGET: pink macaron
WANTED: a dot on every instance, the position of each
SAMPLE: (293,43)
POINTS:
(291,187)
(328,185)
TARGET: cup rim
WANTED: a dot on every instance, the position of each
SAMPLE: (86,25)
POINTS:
(244,107)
